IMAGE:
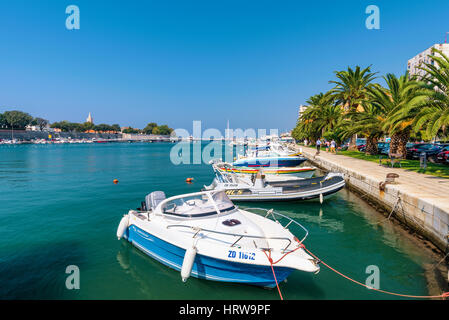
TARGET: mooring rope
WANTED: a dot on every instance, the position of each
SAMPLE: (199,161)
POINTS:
(273,263)
(447,255)
(272,270)
(394,208)
(443,295)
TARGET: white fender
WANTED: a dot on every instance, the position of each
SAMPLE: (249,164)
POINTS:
(187,264)
(321,198)
(123,225)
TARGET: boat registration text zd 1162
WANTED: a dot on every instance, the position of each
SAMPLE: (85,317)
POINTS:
(241,255)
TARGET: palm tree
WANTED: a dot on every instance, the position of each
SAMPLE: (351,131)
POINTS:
(434,116)
(307,126)
(330,117)
(402,99)
(322,115)
(367,123)
(351,91)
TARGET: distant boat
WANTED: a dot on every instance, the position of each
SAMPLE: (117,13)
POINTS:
(273,155)
(270,161)
(272,173)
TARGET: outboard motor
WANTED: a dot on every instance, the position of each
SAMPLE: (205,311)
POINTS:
(153,199)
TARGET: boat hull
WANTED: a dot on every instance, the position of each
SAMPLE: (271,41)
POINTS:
(289,190)
(301,172)
(282,197)
(204,267)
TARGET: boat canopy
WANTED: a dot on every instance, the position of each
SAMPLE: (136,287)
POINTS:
(198,205)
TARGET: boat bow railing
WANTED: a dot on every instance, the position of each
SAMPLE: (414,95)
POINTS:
(269,213)
(273,214)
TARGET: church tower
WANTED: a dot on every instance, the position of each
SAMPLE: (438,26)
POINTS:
(90,119)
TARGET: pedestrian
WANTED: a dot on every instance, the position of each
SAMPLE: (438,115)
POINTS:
(318,146)
(327,145)
(305,142)
(333,145)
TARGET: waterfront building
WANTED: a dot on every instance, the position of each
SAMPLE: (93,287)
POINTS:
(37,128)
(419,60)
(302,108)
(32,128)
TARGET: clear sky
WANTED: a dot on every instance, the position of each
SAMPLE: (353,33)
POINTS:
(166,61)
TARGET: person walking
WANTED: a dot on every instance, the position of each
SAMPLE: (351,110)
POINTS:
(318,146)
(333,146)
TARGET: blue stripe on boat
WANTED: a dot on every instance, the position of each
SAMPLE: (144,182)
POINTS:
(205,267)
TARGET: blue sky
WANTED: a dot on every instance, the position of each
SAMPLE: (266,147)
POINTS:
(252,62)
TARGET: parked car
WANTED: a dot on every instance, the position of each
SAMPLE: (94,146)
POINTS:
(360,141)
(431,150)
(380,146)
(383,148)
(442,143)
(443,155)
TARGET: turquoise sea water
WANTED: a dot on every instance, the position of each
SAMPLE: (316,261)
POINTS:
(59,207)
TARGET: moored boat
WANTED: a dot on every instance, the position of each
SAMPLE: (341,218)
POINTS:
(269,161)
(257,188)
(272,173)
(206,236)
(274,155)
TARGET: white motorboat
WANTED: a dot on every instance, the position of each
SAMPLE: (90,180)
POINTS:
(257,188)
(206,236)
(271,155)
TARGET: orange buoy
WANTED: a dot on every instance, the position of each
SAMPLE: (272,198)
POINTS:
(115,181)
(189,180)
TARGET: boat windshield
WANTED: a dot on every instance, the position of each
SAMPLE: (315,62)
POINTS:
(199,205)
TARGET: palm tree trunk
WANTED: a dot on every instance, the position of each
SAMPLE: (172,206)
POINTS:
(402,145)
(353,143)
(398,144)
(371,146)
(394,143)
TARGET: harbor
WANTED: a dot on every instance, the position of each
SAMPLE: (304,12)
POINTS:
(214,159)
(112,269)
(7,137)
